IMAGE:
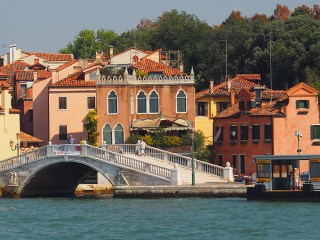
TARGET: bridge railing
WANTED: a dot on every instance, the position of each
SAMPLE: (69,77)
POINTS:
(23,158)
(118,158)
(170,157)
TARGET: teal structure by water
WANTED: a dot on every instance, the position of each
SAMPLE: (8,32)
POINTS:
(185,218)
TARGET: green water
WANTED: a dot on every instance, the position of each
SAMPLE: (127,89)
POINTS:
(187,218)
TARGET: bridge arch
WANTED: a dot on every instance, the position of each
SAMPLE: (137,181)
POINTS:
(58,178)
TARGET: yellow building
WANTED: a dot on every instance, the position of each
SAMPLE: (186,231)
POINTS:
(9,123)
(216,99)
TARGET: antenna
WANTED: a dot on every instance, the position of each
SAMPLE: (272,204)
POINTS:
(270,62)
(226,41)
(134,30)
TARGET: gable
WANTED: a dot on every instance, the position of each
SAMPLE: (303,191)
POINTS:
(128,56)
(302,90)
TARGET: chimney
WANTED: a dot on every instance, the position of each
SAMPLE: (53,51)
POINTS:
(111,51)
(14,50)
(5,99)
(181,67)
(211,86)
(36,61)
(35,76)
(10,54)
(229,85)
(55,76)
(232,98)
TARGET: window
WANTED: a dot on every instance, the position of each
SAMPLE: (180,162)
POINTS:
(23,90)
(62,103)
(92,75)
(62,132)
(258,94)
(256,133)
(142,102)
(202,109)
(154,102)
(119,134)
(267,132)
(218,138)
(242,105)
(91,102)
(181,102)
(263,170)
(315,132)
(234,161)
(107,134)
(302,104)
(112,102)
(221,106)
(220,160)
(244,133)
(233,134)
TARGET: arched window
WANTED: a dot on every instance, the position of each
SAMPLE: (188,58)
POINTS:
(181,102)
(142,103)
(112,102)
(154,102)
(119,134)
(107,134)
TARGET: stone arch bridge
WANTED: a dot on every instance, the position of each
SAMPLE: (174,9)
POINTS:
(57,170)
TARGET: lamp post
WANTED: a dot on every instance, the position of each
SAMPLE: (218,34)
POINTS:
(16,146)
(192,155)
(298,135)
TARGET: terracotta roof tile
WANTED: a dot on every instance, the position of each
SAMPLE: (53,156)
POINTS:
(249,76)
(149,66)
(28,138)
(75,80)
(67,64)
(3,75)
(52,56)
(12,67)
(29,75)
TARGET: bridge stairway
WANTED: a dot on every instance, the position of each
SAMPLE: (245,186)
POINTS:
(186,174)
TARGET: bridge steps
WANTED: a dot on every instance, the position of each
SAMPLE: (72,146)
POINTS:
(186,173)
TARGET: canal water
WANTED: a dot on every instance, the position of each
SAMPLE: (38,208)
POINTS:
(184,218)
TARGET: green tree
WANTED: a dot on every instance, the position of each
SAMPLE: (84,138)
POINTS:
(90,124)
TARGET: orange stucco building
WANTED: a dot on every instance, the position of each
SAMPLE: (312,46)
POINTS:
(264,122)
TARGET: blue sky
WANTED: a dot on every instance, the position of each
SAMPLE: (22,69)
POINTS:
(49,25)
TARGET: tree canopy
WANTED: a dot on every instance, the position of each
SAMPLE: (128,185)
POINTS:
(290,41)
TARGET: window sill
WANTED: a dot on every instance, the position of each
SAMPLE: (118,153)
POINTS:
(233,142)
(316,142)
(267,140)
(255,141)
(244,142)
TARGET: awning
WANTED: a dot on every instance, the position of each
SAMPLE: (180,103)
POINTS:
(161,122)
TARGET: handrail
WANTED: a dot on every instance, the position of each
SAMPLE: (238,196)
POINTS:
(170,157)
(85,150)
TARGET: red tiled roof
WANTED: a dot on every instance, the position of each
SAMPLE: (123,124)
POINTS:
(67,64)
(29,75)
(75,80)
(150,66)
(3,75)
(249,76)
(4,83)
(52,56)
(221,89)
(266,109)
(28,138)
(275,94)
(12,67)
